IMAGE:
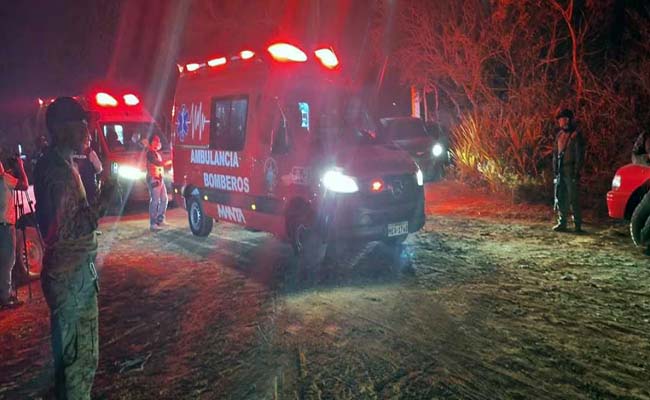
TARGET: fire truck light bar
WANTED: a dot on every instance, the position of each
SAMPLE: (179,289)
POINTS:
(131,100)
(327,58)
(105,100)
(285,52)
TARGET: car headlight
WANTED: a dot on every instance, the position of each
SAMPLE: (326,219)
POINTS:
(129,172)
(437,150)
(616,182)
(419,177)
(336,181)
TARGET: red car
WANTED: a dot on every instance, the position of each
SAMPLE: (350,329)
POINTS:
(630,183)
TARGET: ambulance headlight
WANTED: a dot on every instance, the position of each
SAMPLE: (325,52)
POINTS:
(336,181)
(437,150)
(616,182)
(130,173)
(419,177)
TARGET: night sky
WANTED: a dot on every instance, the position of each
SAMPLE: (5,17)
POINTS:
(54,48)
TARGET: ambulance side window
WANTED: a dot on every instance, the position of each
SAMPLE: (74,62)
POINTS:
(228,123)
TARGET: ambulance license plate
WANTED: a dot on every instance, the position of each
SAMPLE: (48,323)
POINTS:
(397,229)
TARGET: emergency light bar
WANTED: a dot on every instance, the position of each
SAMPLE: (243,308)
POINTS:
(192,67)
(327,58)
(131,100)
(215,62)
(105,99)
(246,54)
(281,52)
(285,52)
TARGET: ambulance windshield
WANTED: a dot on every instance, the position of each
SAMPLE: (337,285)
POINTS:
(130,137)
(335,116)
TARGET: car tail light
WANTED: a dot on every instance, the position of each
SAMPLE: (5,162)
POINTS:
(285,52)
(377,185)
(131,100)
(327,58)
(105,100)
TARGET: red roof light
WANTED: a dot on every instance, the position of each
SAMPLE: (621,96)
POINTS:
(192,67)
(215,62)
(246,54)
(131,100)
(285,52)
(327,58)
(105,100)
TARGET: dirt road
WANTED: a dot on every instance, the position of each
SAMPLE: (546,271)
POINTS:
(498,307)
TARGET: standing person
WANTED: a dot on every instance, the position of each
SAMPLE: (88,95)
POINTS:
(157,190)
(568,157)
(9,183)
(68,226)
(89,167)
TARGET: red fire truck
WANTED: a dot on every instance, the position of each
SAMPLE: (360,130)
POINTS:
(120,127)
(277,140)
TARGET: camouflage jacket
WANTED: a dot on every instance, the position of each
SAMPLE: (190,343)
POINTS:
(67,223)
(570,146)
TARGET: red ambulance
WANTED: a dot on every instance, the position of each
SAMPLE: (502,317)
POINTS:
(120,126)
(277,140)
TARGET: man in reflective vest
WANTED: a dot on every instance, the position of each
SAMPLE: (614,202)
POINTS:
(157,190)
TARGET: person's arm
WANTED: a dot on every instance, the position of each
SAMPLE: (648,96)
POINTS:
(94,159)
(22,183)
(7,178)
(75,218)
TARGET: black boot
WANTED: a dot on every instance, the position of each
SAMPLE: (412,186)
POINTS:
(560,227)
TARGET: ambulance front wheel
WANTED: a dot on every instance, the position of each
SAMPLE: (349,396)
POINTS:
(200,223)
(307,241)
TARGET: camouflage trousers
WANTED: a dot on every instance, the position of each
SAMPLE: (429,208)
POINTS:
(567,195)
(640,222)
(72,298)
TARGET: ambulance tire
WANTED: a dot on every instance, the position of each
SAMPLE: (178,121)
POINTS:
(399,257)
(308,243)
(35,253)
(200,223)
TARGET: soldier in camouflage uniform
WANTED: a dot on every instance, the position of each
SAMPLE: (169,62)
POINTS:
(68,225)
(568,157)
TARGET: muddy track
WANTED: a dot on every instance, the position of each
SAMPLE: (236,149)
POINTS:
(493,309)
